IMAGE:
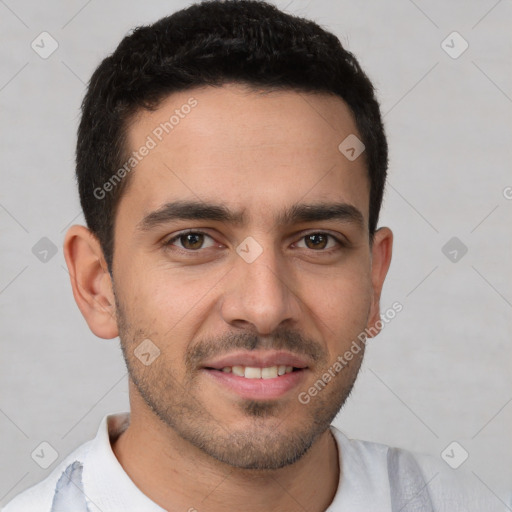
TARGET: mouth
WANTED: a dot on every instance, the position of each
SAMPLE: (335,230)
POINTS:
(254,372)
(257,375)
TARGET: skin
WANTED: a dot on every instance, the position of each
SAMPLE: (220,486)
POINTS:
(192,442)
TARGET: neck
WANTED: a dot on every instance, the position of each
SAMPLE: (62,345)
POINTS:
(178,476)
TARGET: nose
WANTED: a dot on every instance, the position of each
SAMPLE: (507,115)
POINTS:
(260,295)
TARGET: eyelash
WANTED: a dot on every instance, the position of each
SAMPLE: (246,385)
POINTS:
(169,243)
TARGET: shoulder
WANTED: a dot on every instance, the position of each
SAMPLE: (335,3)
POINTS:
(41,497)
(63,489)
(456,489)
(413,481)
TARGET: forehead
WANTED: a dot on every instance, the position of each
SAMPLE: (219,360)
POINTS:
(251,150)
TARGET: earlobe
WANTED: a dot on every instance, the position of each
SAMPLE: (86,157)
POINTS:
(382,248)
(91,281)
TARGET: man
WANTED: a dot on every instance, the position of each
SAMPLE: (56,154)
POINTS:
(231,163)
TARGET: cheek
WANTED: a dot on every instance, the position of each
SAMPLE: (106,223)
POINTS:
(338,293)
(345,312)
(340,302)
(170,303)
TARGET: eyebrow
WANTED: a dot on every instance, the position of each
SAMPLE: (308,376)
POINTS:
(198,210)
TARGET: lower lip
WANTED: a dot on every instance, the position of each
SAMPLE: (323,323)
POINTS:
(258,389)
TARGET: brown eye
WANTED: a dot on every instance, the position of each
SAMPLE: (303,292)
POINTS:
(191,241)
(318,241)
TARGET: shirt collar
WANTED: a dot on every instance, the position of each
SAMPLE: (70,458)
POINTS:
(106,484)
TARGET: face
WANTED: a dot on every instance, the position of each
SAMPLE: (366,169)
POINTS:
(242,253)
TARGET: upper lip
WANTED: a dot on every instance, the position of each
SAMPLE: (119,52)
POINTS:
(257,359)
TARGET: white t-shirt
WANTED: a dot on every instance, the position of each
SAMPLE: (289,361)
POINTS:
(374,478)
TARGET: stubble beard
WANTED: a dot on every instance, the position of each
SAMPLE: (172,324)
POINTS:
(268,443)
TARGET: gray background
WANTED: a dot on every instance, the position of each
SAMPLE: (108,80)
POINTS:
(440,371)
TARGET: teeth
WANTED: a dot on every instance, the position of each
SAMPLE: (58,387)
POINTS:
(251,372)
(267,373)
(238,370)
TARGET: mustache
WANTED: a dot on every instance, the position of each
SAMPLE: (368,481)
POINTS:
(285,339)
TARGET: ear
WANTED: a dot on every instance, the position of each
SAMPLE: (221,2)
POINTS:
(381,258)
(91,282)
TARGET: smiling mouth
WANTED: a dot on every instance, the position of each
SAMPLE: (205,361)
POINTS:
(252,372)
(257,382)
